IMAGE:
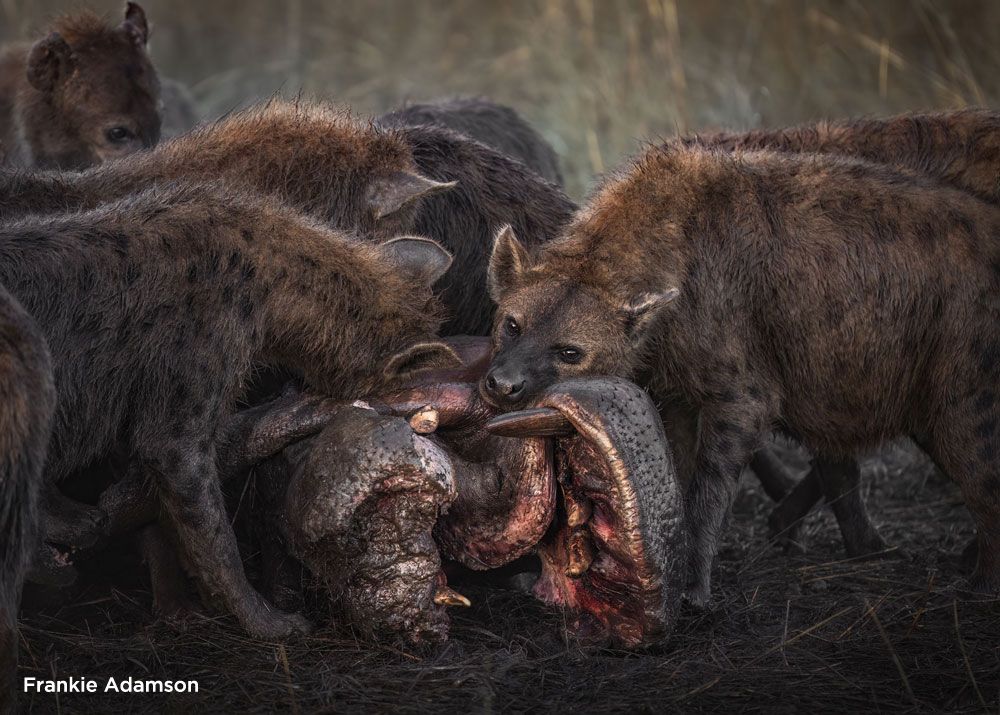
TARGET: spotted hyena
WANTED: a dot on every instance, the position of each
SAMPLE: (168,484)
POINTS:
(838,300)
(85,93)
(158,308)
(349,172)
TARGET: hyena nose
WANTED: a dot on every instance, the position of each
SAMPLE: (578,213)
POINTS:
(504,387)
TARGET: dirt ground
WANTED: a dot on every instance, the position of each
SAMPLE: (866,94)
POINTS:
(788,632)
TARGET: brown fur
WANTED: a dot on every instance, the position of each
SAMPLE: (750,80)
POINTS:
(838,300)
(85,93)
(959,148)
(158,307)
(27,400)
(319,159)
(348,172)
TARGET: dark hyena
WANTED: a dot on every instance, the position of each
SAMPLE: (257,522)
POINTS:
(350,173)
(495,125)
(27,401)
(491,190)
(84,94)
(959,148)
(836,299)
(158,307)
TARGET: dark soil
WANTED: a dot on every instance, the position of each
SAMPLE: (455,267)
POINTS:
(801,632)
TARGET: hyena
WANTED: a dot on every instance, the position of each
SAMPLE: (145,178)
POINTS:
(958,148)
(351,174)
(158,307)
(27,402)
(495,125)
(838,300)
(491,190)
(85,93)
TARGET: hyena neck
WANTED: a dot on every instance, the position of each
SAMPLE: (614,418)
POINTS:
(333,312)
(635,234)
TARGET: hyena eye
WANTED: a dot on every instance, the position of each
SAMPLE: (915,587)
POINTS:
(511,327)
(570,356)
(118,135)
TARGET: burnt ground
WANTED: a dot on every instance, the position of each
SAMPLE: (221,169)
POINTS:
(788,633)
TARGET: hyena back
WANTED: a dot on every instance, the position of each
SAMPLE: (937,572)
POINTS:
(959,148)
(838,300)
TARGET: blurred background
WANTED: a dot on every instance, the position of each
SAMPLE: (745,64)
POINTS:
(595,76)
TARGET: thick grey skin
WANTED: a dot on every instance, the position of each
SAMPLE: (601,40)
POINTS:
(635,584)
(27,403)
(495,125)
(360,501)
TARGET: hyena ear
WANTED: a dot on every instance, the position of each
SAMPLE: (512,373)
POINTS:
(420,258)
(641,312)
(419,357)
(508,262)
(135,24)
(49,61)
(388,194)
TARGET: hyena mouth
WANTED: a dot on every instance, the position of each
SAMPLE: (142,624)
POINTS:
(616,552)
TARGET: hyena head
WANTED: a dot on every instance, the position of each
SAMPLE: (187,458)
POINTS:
(550,326)
(94,92)
(397,328)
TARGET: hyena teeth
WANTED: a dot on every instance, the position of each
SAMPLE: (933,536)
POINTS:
(581,553)
(425,420)
(446,596)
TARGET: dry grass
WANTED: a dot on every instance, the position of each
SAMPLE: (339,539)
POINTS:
(595,76)
(788,633)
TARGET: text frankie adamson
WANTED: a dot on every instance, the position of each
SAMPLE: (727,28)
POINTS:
(111,685)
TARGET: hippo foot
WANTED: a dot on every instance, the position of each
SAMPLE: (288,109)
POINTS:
(617,551)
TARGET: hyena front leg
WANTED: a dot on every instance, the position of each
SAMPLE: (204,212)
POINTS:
(189,488)
(730,432)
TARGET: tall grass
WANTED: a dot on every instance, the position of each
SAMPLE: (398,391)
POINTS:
(594,75)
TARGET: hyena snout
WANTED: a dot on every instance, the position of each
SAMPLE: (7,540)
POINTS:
(505,386)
